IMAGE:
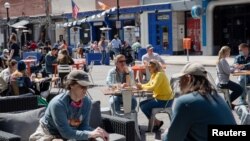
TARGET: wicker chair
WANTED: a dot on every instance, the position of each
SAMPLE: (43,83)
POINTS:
(109,123)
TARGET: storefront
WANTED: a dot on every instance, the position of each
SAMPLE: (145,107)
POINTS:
(160,29)
(227,23)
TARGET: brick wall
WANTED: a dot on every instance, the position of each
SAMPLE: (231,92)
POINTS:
(23,8)
(122,3)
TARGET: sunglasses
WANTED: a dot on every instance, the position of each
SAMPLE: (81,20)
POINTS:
(122,61)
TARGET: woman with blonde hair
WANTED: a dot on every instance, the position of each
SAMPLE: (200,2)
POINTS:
(223,72)
(162,92)
(14,48)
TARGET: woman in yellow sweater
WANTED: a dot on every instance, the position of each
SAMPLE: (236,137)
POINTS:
(162,92)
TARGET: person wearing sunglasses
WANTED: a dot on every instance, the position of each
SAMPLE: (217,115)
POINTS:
(67,115)
(120,74)
(162,92)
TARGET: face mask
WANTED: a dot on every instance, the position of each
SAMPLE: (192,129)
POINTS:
(241,53)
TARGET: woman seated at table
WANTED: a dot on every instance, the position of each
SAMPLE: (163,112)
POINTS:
(64,58)
(162,92)
(223,74)
(120,74)
(21,78)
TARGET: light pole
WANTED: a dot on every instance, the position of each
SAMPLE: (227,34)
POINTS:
(7,7)
(118,24)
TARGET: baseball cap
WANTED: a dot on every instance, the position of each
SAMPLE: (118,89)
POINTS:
(192,69)
(149,46)
(5,51)
(80,76)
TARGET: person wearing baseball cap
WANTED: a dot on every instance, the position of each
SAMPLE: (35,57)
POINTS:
(67,115)
(150,55)
(197,107)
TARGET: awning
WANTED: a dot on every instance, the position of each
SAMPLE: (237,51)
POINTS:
(22,23)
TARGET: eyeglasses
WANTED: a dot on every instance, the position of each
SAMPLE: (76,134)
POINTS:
(122,61)
(82,87)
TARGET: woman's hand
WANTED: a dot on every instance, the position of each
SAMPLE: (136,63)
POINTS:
(99,132)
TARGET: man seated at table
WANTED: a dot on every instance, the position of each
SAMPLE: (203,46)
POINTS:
(242,61)
(50,58)
(147,57)
(120,74)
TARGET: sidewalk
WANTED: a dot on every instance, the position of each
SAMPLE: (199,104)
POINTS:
(205,60)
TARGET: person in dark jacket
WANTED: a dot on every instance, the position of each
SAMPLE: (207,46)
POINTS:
(50,59)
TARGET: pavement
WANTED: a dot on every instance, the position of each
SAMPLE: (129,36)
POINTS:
(205,60)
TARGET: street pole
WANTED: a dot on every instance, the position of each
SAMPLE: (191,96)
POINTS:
(118,10)
(8,27)
(7,7)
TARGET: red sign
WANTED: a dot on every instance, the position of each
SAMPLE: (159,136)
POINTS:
(193,32)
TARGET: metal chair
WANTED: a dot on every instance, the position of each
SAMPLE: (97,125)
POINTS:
(90,71)
(63,70)
(167,109)
(220,90)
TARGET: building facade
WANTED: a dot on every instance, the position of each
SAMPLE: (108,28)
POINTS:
(227,23)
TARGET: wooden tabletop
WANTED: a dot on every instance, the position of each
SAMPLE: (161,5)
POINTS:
(114,91)
(242,72)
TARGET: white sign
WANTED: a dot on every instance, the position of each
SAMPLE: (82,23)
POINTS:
(181,31)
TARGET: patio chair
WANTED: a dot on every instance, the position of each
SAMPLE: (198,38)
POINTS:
(167,109)
(63,70)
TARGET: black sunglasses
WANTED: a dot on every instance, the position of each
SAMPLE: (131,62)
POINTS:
(122,61)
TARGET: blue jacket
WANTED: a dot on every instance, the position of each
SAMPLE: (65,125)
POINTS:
(59,113)
(192,113)
(49,60)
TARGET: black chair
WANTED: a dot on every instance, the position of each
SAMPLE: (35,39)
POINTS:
(119,126)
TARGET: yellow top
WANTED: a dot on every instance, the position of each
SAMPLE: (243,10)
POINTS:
(160,86)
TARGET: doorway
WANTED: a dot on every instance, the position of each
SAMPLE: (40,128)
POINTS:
(160,32)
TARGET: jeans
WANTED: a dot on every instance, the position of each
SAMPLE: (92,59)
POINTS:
(104,55)
(147,105)
(236,89)
(116,101)
(116,51)
(243,80)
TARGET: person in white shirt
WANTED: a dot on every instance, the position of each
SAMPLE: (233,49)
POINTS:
(150,55)
(6,73)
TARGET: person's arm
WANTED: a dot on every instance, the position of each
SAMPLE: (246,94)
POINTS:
(11,54)
(109,78)
(161,60)
(179,127)
(157,80)
(59,117)
(224,66)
